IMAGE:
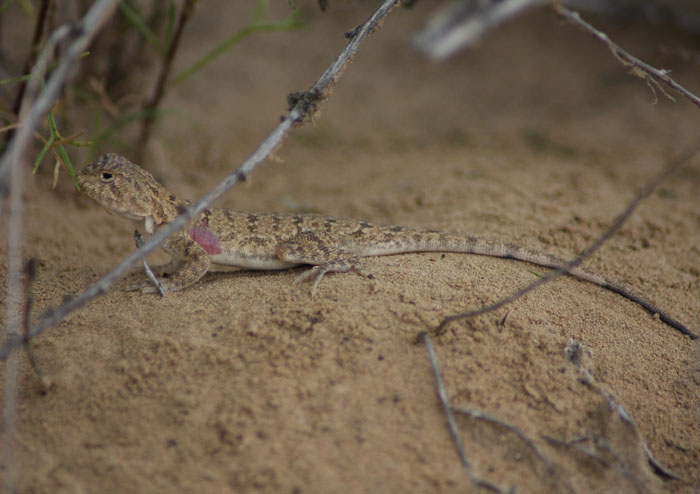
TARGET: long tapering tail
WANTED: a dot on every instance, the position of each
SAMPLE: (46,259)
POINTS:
(426,241)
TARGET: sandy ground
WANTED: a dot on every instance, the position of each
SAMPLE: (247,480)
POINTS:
(243,383)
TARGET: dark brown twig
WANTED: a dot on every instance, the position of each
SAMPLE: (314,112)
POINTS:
(151,104)
(621,218)
(33,52)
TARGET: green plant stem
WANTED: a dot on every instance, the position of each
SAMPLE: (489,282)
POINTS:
(141,26)
(291,22)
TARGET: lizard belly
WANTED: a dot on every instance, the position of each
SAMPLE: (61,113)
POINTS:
(230,261)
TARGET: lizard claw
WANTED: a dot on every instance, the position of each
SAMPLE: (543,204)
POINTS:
(142,287)
(317,272)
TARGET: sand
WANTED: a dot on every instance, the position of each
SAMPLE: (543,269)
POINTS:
(243,383)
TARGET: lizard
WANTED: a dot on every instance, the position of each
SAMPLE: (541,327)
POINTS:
(228,240)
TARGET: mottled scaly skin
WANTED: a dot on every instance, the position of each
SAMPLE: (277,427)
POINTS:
(222,239)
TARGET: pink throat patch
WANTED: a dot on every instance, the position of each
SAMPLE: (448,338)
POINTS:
(206,239)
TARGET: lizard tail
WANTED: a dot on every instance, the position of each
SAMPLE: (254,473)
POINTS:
(420,241)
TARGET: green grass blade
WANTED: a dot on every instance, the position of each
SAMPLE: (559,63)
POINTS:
(66,161)
(127,119)
(138,23)
(42,153)
(170,29)
(260,9)
(4,5)
(24,78)
(290,22)
(53,135)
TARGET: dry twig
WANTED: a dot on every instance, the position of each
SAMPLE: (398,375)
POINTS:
(33,51)
(31,112)
(296,115)
(442,395)
(151,104)
(13,319)
(637,67)
(571,351)
(479,415)
(463,22)
(451,423)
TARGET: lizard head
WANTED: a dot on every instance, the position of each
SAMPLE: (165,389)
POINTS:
(122,187)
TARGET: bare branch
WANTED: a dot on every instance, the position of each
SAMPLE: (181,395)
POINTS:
(483,416)
(154,99)
(31,112)
(462,23)
(13,301)
(621,218)
(33,50)
(572,350)
(637,67)
(442,395)
(449,414)
(297,114)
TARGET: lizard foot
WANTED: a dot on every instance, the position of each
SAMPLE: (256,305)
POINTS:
(316,272)
(320,270)
(142,287)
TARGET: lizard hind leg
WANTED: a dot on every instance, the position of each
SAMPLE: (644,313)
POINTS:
(310,248)
(318,271)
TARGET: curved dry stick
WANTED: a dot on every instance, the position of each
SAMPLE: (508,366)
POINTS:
(451,422)
(445,402)
(638,67)
(304,105)
(621,218)
(491,419)
(30,115)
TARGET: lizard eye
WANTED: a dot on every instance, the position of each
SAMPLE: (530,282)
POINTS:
(107,177)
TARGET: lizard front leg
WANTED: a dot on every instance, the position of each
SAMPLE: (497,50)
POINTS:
(318,250)
(189,260)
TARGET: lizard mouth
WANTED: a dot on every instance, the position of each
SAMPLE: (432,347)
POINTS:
(124,214)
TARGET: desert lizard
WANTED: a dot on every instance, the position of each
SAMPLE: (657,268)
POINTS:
(226,240)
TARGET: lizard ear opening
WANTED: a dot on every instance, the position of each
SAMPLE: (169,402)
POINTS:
(106,177)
